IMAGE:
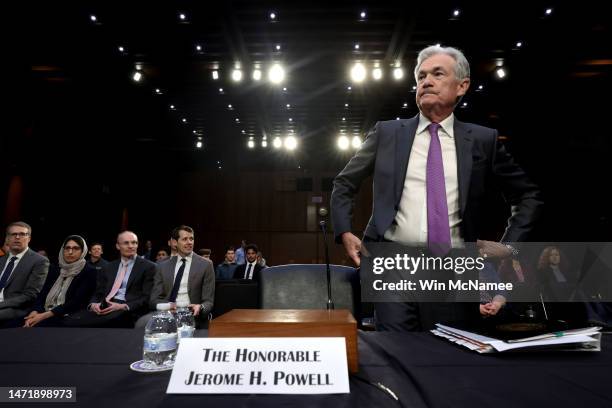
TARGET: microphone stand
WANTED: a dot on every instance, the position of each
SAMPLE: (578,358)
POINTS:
(330,302)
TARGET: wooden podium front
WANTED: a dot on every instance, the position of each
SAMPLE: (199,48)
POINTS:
(290,323)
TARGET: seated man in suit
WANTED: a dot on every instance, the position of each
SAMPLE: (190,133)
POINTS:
(122,291)
(185,277)
(250,269)
(22,273)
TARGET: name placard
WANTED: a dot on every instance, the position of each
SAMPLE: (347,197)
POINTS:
(254,365)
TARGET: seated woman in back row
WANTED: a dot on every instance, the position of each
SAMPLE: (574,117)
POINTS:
(67,288)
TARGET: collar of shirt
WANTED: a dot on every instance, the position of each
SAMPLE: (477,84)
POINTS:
(129,261)
(446,125)
(19,255)
(187,257)
(251,263)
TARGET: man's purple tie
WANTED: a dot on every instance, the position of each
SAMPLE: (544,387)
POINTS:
(438,230)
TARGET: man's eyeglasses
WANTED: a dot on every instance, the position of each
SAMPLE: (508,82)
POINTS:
(71,248)
(18,234)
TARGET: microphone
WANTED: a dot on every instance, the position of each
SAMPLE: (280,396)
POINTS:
(323,224)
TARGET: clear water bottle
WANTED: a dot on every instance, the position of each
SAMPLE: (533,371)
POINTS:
(184,320)
(160,337)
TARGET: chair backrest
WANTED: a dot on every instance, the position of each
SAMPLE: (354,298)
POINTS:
(304,286)
(235,294)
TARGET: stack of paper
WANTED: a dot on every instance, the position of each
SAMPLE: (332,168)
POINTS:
(587,339)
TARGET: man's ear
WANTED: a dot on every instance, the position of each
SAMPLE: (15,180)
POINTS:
(463,86)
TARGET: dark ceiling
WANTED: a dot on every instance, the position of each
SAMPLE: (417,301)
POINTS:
(76,96)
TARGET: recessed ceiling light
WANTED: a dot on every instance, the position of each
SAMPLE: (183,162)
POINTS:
(182,16)
(256,74)
(120,48)
(284,89)
(215,75)
(548,11)
(362,14)
(519,44)
(198,47)
(356,142)
(278,47)
(344,119)
(405,104)
(456,13)
(137,76)
(398,73)
(290,143)
(236,75)
(358,72)
(356,46)
(290,119)
(273,16)
(157,91)
(172,107)
(500,72)
(184,120)
(343,143)
(348,88)
(229,106)
(220,90)
(276,74)
(93,18)
(480,87)
(377,73)
(199,144)
(288,106)
(346,105)
(237,120)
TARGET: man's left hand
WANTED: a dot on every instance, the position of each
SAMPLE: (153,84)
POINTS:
(491,249)
(196,309)
(113,307)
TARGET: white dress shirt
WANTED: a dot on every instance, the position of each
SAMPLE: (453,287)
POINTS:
(410,226)
(10,256)
(183,292)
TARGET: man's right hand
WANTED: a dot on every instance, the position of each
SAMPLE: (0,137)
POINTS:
(352,246)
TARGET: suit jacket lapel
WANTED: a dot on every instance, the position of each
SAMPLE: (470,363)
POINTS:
(463,145)
(404,137)
(135,271)
(193,276)
(22,264)
(169,274)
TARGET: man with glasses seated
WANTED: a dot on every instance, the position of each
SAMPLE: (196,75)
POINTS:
(22,273)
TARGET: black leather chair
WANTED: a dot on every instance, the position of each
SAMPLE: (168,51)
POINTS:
(235,294)
(304,286)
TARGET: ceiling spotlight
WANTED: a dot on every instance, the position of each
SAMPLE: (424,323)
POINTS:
(290,143)
(237,75)
(290,119)
(480,87)
(548,11)
(215,75)
(93,18)
(356,46)
(184,120)
(377,73)
(264,143)
(277,142)
(251,144)
(465,104)
(358,72)
(398,73)
(157,91)
(121,49)
(199,144)
(456,13)
(348,88)
(195,132)
(220,90)
(500,72)
(284,89)
(256,74)
(137,76)
(519,44)
(438,45)
(362,14)
(356,142)
(182,17)
(288,106)
(276,74)
(414,87)
(230,106)
(398,118)
(237,120)
(344,119)
(198,47)
(405,104)
(278,47)
(243,131)
(343,143)
(172,107)
(346,105)
(273,16)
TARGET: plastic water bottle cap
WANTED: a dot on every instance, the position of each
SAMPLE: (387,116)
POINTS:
(182,303)
(163,306)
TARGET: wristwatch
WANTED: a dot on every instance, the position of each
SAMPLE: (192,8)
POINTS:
(513,251)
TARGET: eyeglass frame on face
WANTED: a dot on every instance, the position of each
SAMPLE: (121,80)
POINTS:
(72,248)
(14,235)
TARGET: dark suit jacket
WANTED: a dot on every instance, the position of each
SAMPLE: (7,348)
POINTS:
(200,284)
(77,297)
(26,281)
(139,284)
(483,164)
(241,269)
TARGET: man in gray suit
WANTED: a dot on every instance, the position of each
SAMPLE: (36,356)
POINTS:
(22,273)
(185,277)
(432,175)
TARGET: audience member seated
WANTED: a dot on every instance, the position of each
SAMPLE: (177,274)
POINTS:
(226,269)
(68,287)
(249,270)
(161,256)
(185,277)
(205,253)
(22,273)
(122,291)
(95,256)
